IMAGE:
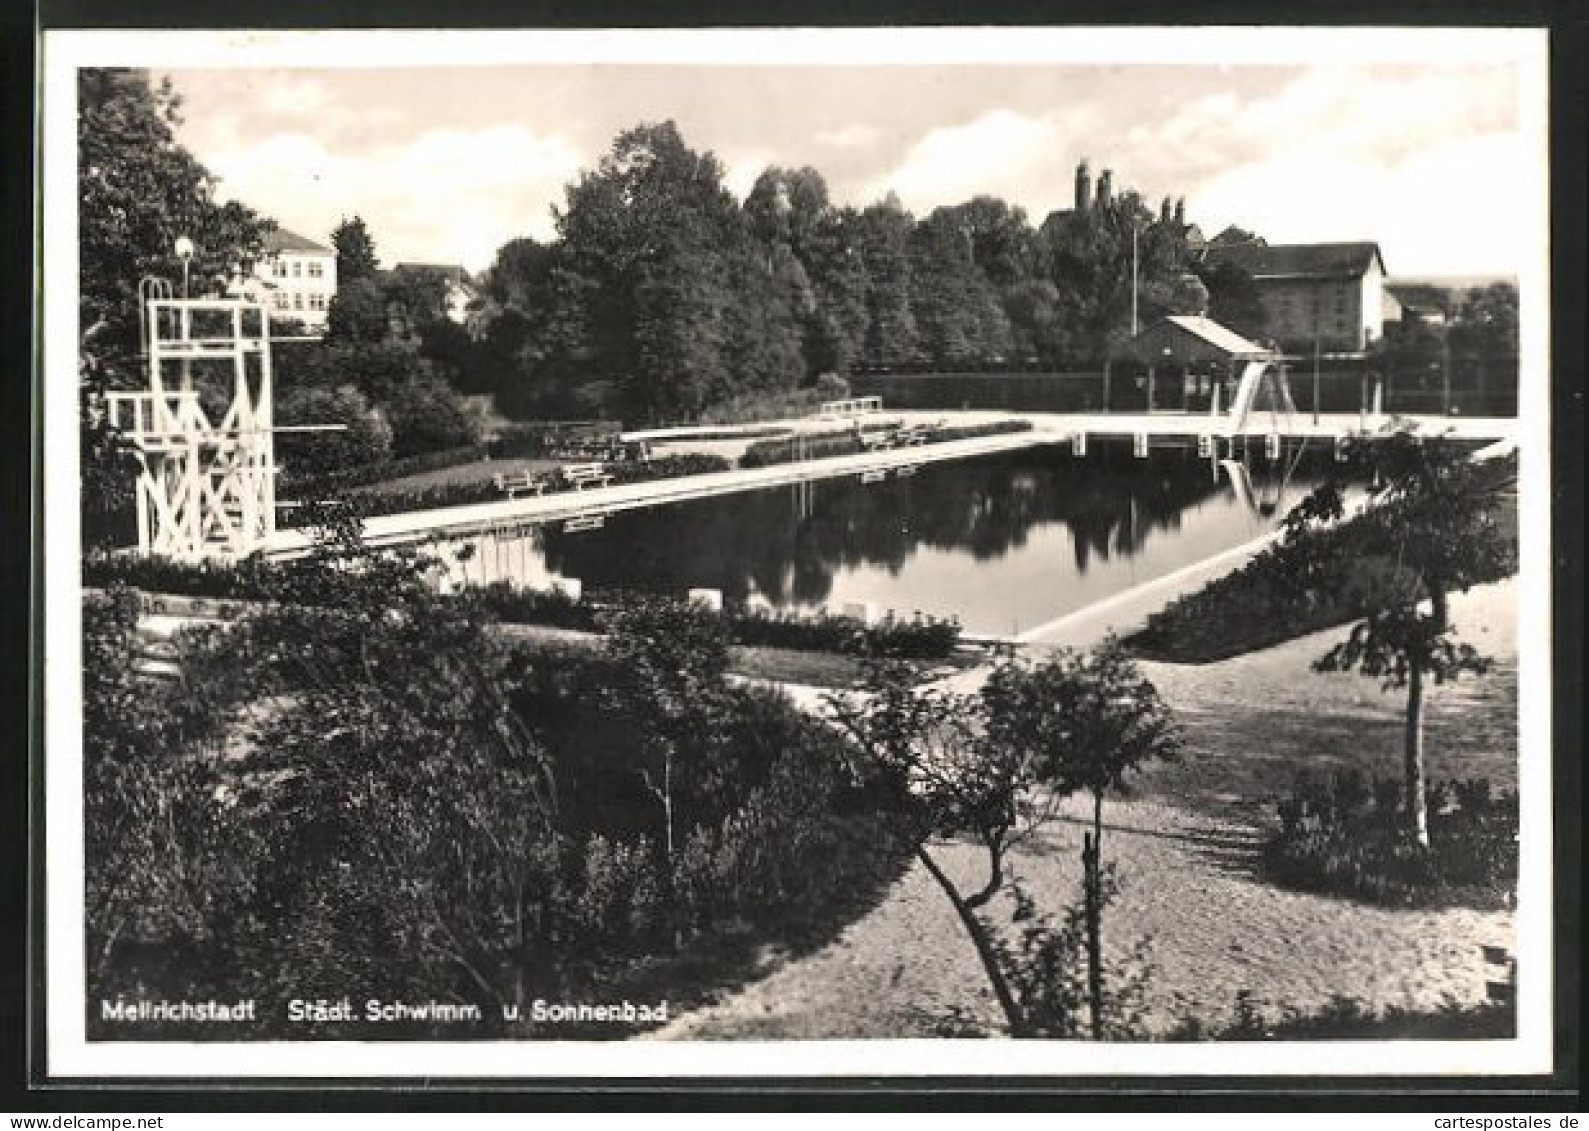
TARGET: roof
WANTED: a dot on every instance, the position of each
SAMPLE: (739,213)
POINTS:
(1216,335)
(1300,260)
(280,239)
(1212,337)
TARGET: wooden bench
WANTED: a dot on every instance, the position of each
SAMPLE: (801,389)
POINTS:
(582,475)
(515,482)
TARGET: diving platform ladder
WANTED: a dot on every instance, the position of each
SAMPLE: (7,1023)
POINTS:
(202,430)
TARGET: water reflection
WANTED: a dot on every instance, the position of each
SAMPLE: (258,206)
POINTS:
(1003,542)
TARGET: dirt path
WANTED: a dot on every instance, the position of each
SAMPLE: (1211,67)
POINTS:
(1190,909)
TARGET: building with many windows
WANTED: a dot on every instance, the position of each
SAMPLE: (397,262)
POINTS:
(1321,297)
(296,277)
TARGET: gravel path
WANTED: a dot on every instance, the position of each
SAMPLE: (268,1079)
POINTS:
(1190,912)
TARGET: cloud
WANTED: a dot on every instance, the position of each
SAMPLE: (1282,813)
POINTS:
(446,195)
(295,97)
(855,135)
(1025,159)
(1418,161)
(740,173)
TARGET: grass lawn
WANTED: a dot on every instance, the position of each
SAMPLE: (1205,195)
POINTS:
(463,474)
(1253,723)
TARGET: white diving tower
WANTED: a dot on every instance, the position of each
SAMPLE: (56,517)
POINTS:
(202,431)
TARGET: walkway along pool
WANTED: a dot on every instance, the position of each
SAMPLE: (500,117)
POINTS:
(1002,542)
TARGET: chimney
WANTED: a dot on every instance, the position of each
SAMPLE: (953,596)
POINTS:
(1105,188)
(1180,210)
(1164,211)
(1083,188)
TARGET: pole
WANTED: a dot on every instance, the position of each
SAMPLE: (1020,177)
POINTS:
(1445,375)
(1315,376)
(1133,278)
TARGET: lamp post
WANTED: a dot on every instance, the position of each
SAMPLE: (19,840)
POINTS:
(184,249)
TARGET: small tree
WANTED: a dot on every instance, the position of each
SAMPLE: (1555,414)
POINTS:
(995,766)
(923,759)
(1433,514)
(668,660)
(1081,721)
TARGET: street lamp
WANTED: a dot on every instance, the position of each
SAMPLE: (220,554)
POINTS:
(184,249)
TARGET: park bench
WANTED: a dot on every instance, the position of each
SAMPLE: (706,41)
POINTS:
(511,484)
(582,475)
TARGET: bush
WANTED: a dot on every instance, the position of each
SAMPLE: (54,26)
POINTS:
(427,416)
(823,445)
(765,453)
(400,500)
(1347,1018)
(1344,835)
(365,438)
(923,638)
(345,479)
(1275,597)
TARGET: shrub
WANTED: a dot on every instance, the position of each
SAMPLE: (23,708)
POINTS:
(365,439)
(295,483)
(823,445)
(765,453)
(1343,835)
(921,638)
(1279,595)
(1347,1018)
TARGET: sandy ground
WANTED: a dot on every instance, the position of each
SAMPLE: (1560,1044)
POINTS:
(1190,917)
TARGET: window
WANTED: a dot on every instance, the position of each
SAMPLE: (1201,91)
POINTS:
(316,269)
(317,302)
(297,269)
(280,301)
(279,269)
(297,302)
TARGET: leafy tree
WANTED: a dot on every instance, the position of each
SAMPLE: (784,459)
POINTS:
(163,864)
(995,766)
(669,659)
(1485,325)
(426,416)
(1233,297)
(1082,721)
(655,232)
(365,436)
(358,313)
(921,757)
(956,308)
(355,248)
(884,232)
(1435,513)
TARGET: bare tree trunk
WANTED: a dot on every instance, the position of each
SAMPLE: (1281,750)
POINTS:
(1417,799)
(1013,1014)
(995,875)
(1091,857)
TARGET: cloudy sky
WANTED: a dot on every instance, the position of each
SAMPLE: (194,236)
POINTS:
(446,163)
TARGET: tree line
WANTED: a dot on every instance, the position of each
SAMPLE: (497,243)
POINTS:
(661,294)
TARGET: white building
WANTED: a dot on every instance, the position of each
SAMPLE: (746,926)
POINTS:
(296,277)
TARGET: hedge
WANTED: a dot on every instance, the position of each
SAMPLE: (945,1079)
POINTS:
(438,496)
(824,445)
(367,474)
(921,638)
